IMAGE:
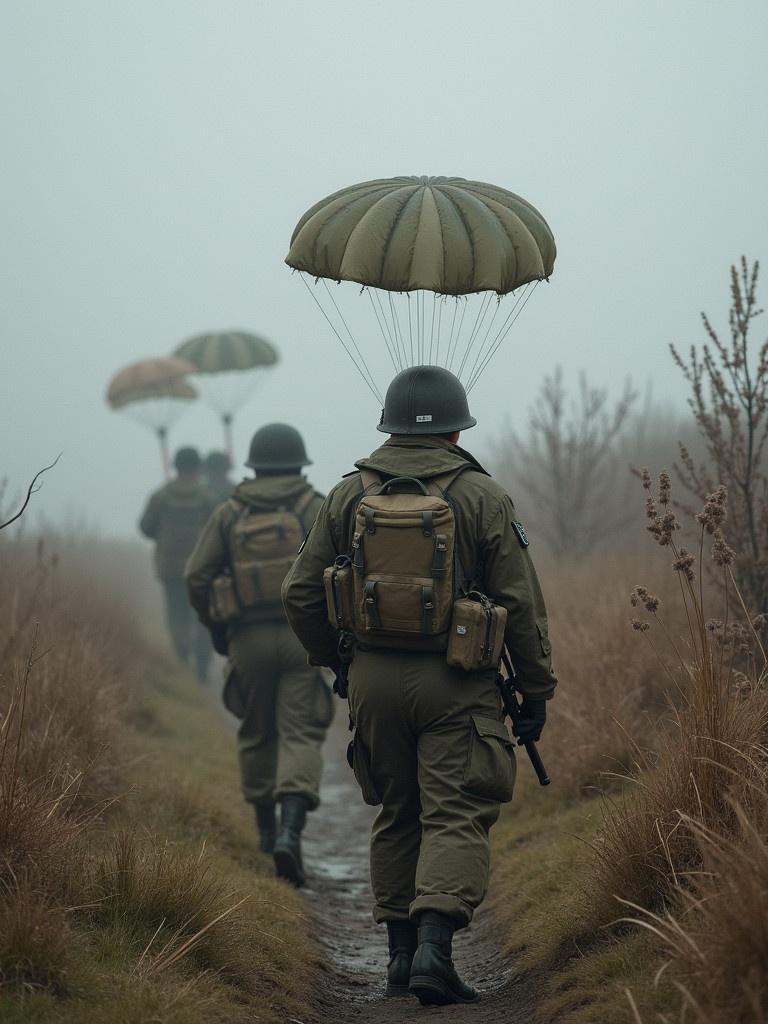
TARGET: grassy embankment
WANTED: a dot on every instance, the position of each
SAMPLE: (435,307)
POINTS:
(130,889)
(659,911)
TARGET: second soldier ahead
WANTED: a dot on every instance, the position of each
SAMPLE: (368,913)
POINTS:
(173,519)
(234,577)
(419,558)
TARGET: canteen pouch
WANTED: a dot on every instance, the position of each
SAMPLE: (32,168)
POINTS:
(223,603)
(340,594)
(477,633)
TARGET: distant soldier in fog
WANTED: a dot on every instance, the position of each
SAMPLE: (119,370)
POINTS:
(234,577)
(174,516)
(216,468)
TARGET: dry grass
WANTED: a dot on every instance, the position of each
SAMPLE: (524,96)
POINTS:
(100,917)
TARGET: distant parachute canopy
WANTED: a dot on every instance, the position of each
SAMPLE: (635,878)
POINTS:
(448,236)
(155,392)
(229,363)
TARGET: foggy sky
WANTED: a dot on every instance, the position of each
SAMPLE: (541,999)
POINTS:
(156,156)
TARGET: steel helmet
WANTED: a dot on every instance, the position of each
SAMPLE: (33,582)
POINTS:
(425,400)
(187,460)
(277,447)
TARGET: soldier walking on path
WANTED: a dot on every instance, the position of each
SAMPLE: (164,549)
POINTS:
(419,559)
(216,468)
(173,518)
(234,578)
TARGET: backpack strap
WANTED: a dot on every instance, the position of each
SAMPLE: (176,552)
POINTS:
(436,485)
(369,478)
(302,503)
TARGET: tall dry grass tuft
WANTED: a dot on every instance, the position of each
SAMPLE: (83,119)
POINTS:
(65,679)
(717,934)
(712,751)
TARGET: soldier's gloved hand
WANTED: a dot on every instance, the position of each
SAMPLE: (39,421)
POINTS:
(533,715)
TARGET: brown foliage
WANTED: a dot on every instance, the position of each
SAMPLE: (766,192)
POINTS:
(729,399)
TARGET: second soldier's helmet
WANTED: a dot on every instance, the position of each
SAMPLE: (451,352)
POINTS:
(277,447)
(187,460)
(425,400)
(217,463)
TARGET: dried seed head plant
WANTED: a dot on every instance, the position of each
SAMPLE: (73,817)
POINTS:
(712,749)
(729,397)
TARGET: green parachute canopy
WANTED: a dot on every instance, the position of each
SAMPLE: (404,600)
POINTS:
(444,235)
(436,256)
(229,365)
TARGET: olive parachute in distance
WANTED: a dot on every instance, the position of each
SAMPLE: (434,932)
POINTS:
(155,392)
(228,364)
(449,237)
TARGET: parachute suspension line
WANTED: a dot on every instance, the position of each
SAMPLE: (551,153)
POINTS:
(369,375)
(410,326)
(450,336)
(369,382)
(390,322)
(464,305)
(432,328)
(422,331)
(504,330)
(479,318)
(396,321)
(440,304)
(387,341)
(479,356)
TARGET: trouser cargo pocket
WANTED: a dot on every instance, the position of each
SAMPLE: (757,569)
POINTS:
(234,695)
(491,769)
(360,762)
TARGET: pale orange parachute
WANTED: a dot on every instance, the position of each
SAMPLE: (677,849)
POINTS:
(155,392)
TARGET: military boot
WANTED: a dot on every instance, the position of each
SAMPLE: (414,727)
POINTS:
(266,824)
(433,977)
(287,851)
(403,940)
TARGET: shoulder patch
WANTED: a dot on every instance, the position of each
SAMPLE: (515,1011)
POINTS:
(517,526)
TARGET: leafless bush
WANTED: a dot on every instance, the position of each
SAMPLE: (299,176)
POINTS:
(570,466)
(729,399)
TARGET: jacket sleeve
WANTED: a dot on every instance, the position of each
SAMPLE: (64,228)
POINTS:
(149,524)
(209,559)
(304,594)
(511,581)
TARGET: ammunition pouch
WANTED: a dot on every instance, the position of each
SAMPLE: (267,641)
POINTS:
(476,637)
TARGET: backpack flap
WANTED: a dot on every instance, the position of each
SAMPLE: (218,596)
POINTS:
(402,557)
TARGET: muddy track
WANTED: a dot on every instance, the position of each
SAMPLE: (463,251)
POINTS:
(338,889)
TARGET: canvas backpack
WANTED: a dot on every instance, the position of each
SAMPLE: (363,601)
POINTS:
(397,585)
(262,548)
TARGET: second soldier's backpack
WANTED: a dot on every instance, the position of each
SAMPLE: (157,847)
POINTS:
(397,585)
(262,548)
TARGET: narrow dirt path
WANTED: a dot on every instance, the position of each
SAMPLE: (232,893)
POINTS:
(339,891)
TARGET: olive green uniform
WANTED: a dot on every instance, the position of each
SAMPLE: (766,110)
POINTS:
(430,742)
(284,705)
(173,518)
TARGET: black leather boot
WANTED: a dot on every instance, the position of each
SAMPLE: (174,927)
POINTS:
(287,851)
(402,946)
(433,977)
(266,823)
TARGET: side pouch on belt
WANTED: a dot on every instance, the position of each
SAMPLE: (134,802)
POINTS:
(223,604)
(477,633)
(491,767)
(340,594)
(360,762)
